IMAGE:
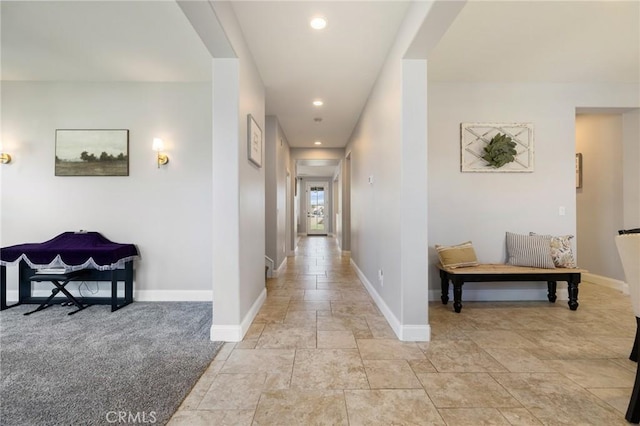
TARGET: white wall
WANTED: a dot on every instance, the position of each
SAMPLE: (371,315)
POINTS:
(166,212)
(239,185)
(482,206)
(343,227)
(277,164)
(600,200)
(388,145)
(316,154)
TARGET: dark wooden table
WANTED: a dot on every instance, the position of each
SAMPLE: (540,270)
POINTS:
(26,276)
(502,272)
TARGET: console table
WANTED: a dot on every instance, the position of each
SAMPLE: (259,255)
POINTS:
(84,256)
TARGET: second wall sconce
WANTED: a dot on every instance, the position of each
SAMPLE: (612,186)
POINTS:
(158,146)
(4,157)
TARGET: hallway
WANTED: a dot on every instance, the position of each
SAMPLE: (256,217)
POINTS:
(320,352)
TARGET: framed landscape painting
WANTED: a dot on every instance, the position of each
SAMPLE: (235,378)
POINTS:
(92,152)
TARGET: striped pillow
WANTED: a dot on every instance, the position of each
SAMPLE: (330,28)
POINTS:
(457,256)
(529,250)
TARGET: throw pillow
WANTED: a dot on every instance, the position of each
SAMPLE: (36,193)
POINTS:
(561,252)
(529,250)
(458,256)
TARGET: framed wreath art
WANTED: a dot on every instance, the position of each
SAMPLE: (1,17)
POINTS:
(496,147)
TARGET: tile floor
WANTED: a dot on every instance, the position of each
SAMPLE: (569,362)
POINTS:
(320,353)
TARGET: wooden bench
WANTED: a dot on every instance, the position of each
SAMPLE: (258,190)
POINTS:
(501,272)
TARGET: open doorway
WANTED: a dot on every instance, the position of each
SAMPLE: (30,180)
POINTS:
(607,193)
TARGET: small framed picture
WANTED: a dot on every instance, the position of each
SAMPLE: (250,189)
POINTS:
(578,170)
(254,140)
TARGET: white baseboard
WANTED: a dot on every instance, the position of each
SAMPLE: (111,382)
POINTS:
(416,333)
(173,295)
(606,282)
(277,272)
(235,333)
(404,332)
(138,295)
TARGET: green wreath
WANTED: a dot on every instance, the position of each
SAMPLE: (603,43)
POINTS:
(499,151)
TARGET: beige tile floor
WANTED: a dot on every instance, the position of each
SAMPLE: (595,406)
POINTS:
(320,353)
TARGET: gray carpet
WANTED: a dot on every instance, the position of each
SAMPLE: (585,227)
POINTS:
(91,367)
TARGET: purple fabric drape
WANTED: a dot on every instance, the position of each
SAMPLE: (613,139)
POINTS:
(73,249)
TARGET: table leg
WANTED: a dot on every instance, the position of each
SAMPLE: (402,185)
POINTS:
(3,287)
(3,290)
(552,285)
(457,295)
(633,410)
(114,290)
(128,283)
(444,285)
(573,291)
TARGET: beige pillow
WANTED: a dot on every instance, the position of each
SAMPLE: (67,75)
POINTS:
(457,256)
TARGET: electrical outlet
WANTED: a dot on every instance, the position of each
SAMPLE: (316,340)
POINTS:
(381,277)
(562,211)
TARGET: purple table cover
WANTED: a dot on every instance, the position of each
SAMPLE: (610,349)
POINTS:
(72,251)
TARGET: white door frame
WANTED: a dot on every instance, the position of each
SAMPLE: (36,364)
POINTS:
(310,215)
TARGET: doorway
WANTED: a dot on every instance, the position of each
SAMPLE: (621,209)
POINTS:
(316,208)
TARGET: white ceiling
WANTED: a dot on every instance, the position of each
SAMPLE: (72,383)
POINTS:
(541,41)
(316,168)
(516,41)
(100,41)
(338,64)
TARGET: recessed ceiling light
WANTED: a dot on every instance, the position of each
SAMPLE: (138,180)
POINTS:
(317,143)
(318,23)
(318,102)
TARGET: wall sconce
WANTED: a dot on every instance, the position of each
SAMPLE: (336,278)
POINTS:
(158,146)
(4,157)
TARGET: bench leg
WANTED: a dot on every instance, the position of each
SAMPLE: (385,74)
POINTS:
(573,291)
(635,351)
(457,295)
(444,285)
(552,291)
